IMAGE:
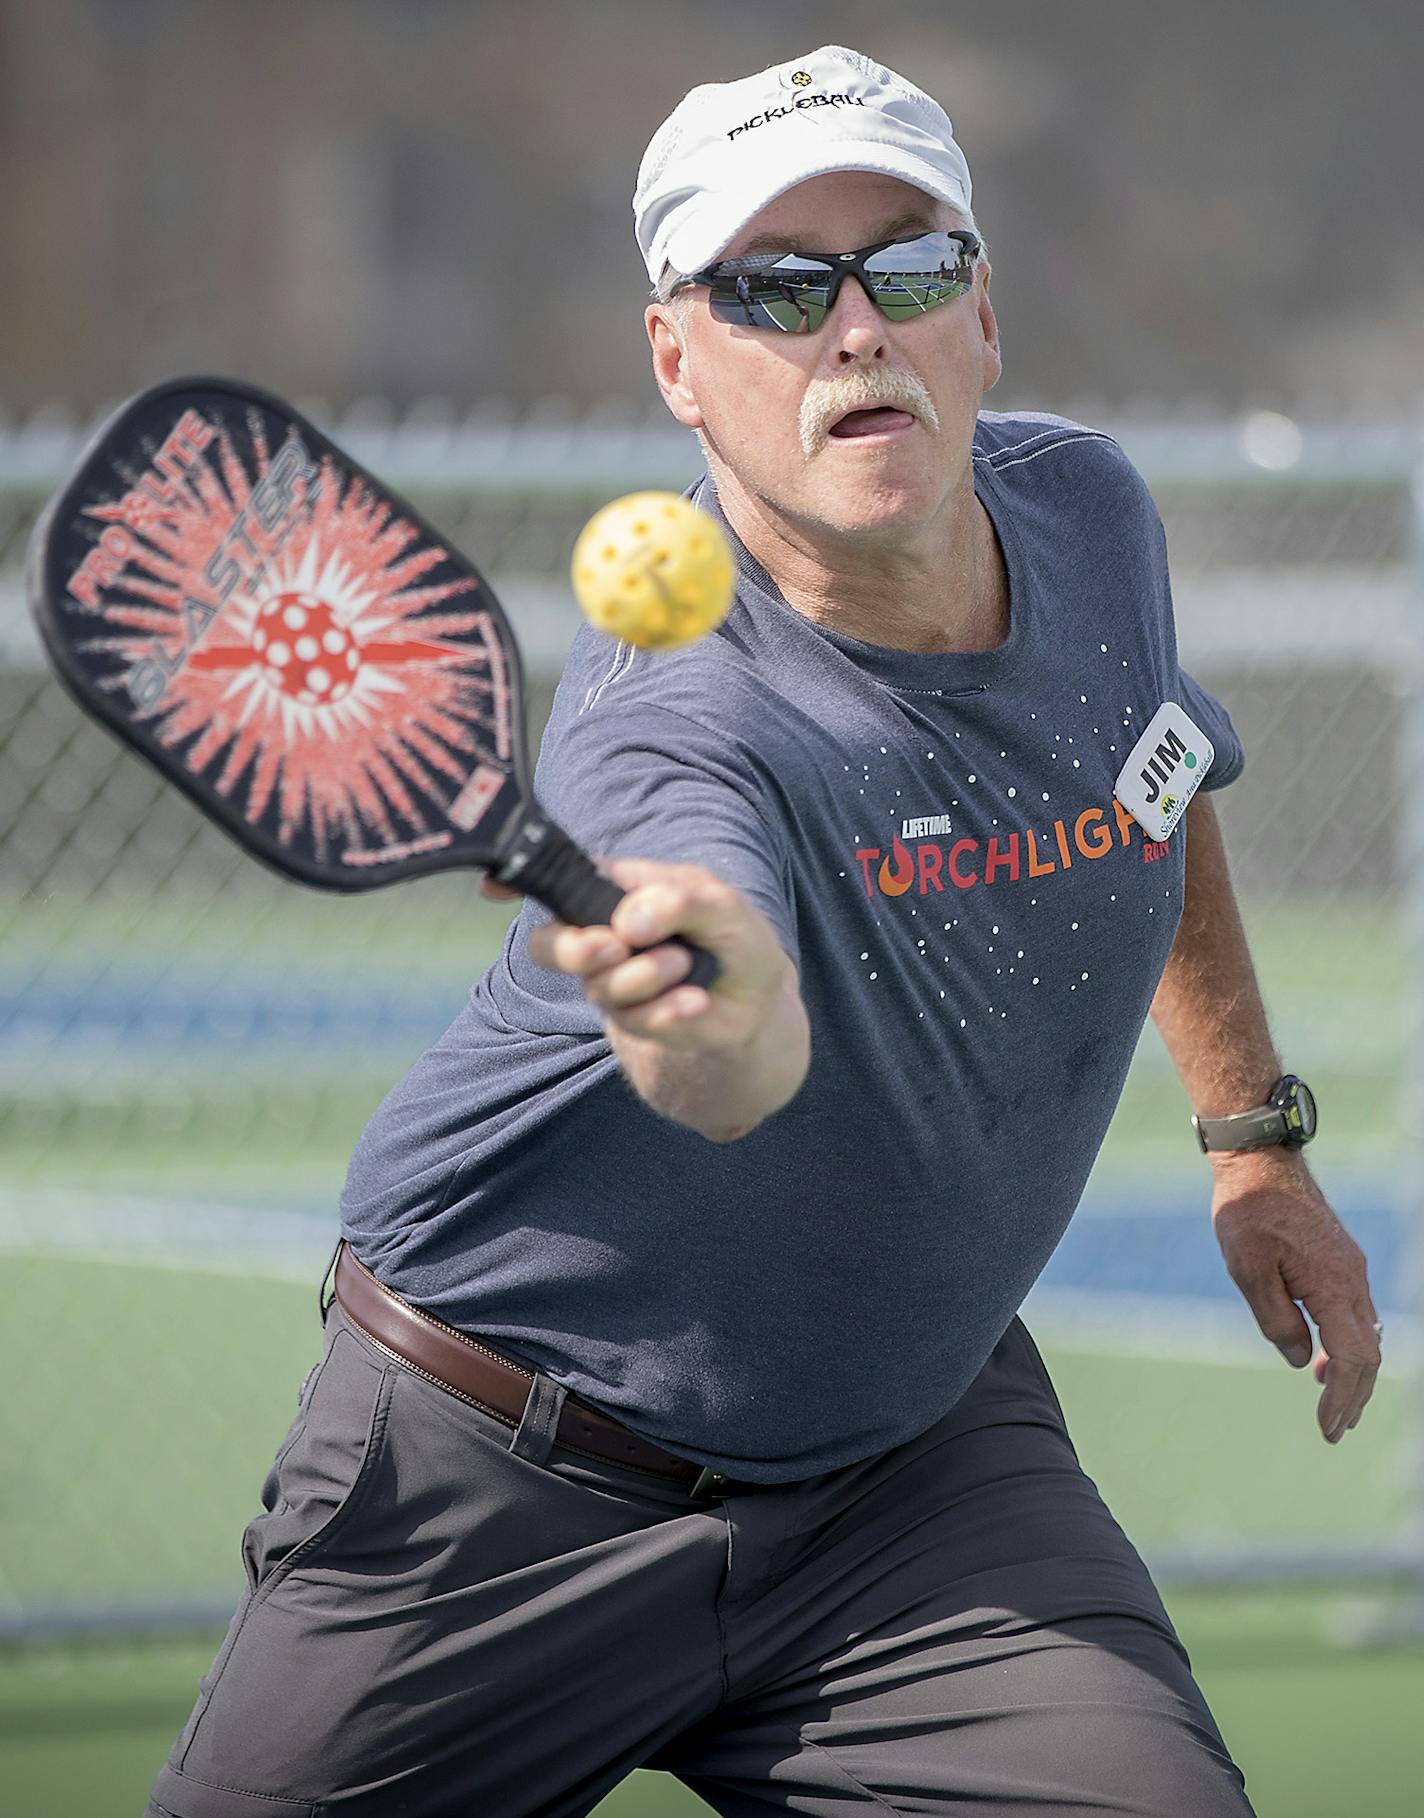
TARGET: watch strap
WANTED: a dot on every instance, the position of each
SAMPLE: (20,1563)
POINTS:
(1277,1122)
(1258,1129)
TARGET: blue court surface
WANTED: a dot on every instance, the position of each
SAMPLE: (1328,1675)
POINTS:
(1141,1235)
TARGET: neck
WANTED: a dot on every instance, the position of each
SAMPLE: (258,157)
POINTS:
(937,588)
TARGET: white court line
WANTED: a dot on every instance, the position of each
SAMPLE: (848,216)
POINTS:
(1176,1328)
(204,1237)
(290,1270)
(1183,1327)
(199,1235)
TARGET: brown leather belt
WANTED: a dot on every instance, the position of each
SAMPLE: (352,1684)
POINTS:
(498,1385)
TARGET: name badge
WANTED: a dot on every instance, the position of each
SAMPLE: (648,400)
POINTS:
(1164,770)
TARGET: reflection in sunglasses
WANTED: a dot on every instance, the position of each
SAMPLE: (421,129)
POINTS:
(794,292)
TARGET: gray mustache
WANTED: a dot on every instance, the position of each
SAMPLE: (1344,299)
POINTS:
(861,389)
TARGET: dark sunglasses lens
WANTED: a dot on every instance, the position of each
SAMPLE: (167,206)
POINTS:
(912,293)
(792,293)
(791,296)
(916,275)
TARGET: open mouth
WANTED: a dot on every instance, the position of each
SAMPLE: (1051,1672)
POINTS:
(879,419)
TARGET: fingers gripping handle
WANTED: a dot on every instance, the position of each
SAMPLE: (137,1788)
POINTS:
(545,863)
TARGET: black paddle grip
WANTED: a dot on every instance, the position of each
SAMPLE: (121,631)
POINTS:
(545,863)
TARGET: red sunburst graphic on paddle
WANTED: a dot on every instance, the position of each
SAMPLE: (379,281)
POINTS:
(339,683)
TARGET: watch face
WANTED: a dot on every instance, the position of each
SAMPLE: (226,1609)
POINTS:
(1305,1104)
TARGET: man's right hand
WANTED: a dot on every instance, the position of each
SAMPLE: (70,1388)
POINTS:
(742,1048)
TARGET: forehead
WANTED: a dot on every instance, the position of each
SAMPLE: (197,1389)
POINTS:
(839,210)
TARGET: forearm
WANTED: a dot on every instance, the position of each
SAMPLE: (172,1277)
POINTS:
(725,1093)
(1208,1005)
(1283,1245)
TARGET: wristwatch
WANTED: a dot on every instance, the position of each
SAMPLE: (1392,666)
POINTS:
(1288,1117)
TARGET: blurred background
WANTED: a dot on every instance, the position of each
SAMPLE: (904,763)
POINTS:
(415,219)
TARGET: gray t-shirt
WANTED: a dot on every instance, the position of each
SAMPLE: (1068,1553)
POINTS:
(978,932)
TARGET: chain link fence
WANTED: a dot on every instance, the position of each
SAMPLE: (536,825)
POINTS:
(189,1047)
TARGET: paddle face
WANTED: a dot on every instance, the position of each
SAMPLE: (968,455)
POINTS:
(285,639)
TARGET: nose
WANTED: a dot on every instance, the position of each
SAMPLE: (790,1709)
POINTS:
(856,325)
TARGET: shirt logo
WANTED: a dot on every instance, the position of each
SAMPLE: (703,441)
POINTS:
(1015,855)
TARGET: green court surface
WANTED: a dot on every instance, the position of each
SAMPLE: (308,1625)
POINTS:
(240,1119)
(170,1388)
(1320,1732)
(157,1385)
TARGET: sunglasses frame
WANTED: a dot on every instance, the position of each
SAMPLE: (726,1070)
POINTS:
(840,266)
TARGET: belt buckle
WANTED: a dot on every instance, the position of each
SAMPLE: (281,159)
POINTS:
(707,1482)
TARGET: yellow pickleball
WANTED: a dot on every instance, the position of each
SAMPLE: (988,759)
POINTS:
(655,570)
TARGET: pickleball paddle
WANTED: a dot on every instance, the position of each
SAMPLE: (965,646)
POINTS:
(290,643)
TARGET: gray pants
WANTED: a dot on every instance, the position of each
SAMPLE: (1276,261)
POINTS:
(435,1624)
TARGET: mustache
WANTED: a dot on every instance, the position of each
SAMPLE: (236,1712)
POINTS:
(861,388)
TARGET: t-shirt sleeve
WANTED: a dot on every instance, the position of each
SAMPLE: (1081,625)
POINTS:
(638,780)
(1201,708)
(1206,711)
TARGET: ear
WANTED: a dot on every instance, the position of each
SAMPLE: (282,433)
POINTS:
(670,367)
(993,363)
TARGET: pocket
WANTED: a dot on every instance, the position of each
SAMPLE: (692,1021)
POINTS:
(327,1462)
(271,1494)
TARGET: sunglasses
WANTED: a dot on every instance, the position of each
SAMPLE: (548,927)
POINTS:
(795,292)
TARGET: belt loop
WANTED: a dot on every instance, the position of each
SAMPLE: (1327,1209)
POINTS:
(534,1437)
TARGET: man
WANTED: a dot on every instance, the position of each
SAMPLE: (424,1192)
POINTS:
(674,1410)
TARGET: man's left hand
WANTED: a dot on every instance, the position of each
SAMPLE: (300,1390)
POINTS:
(1283,1244)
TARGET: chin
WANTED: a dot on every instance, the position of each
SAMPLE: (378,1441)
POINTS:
(865,504)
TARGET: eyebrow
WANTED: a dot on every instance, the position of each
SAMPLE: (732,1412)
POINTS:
(911,221)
